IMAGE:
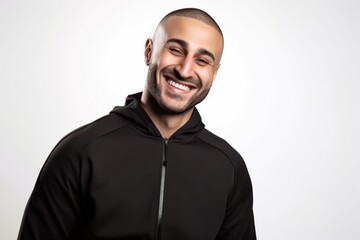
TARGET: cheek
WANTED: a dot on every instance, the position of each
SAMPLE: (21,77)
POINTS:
(151,74)
(206,77)
(167,60)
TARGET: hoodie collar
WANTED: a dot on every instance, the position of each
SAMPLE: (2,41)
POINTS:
(137,117)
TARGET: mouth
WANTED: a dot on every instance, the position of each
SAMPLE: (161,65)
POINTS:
(178,85)
(184,86)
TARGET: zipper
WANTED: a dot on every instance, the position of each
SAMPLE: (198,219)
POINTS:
(162,188)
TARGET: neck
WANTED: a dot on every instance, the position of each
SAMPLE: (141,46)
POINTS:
(166,123)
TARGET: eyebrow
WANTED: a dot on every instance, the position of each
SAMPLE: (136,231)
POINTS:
(186,45)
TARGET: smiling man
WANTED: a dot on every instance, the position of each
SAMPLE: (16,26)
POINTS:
(183,58)
(150,169)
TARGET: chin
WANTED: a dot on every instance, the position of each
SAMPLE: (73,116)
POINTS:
(175,110)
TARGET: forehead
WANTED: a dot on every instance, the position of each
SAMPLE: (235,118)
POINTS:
(196,33)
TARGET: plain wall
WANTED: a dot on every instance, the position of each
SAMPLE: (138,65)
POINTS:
(286,97)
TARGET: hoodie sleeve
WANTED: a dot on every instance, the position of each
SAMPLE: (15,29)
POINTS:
(239,223)
(53,210)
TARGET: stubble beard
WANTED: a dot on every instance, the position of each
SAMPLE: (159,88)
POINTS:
(156,92)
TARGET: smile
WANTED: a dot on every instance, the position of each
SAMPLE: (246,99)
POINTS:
(178,85)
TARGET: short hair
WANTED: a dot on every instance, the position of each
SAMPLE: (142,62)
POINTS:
(197,14)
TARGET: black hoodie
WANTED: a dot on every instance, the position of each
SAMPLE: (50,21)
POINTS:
(117,178)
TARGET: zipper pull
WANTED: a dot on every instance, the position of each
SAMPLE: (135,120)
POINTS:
(166,143)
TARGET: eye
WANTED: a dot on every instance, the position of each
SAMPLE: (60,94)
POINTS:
(176,51)
(203,61)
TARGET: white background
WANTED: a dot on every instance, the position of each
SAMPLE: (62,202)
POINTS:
(286,97)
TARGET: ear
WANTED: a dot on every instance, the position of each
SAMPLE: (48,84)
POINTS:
(148,51)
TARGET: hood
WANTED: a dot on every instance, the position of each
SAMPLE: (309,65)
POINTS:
(138,118)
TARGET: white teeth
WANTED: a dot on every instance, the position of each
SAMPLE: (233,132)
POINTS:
(177,85)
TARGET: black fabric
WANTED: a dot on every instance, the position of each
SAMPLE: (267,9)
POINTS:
(102,181)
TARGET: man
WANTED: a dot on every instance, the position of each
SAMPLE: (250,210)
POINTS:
(150,170)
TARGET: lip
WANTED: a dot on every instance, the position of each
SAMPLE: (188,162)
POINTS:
(168,77)
(176,87)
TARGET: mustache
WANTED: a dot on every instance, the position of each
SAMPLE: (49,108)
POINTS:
(171,72)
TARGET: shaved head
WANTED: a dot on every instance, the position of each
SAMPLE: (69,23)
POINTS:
(193,13)
(196,14)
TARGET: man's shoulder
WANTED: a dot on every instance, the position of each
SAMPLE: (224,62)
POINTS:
(81,137)
(221,144)
(66,157)
(232,155)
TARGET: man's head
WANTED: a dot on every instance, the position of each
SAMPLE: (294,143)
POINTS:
(183,58)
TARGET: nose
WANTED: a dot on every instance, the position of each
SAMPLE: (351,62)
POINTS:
(185,68)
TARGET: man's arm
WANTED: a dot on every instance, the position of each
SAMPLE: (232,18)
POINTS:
(239,223)
(53,210)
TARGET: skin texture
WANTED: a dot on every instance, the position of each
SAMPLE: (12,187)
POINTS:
(183,58)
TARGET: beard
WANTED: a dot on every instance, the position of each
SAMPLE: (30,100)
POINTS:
(157,91)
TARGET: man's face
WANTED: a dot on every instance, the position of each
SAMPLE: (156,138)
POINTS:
(183,61)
